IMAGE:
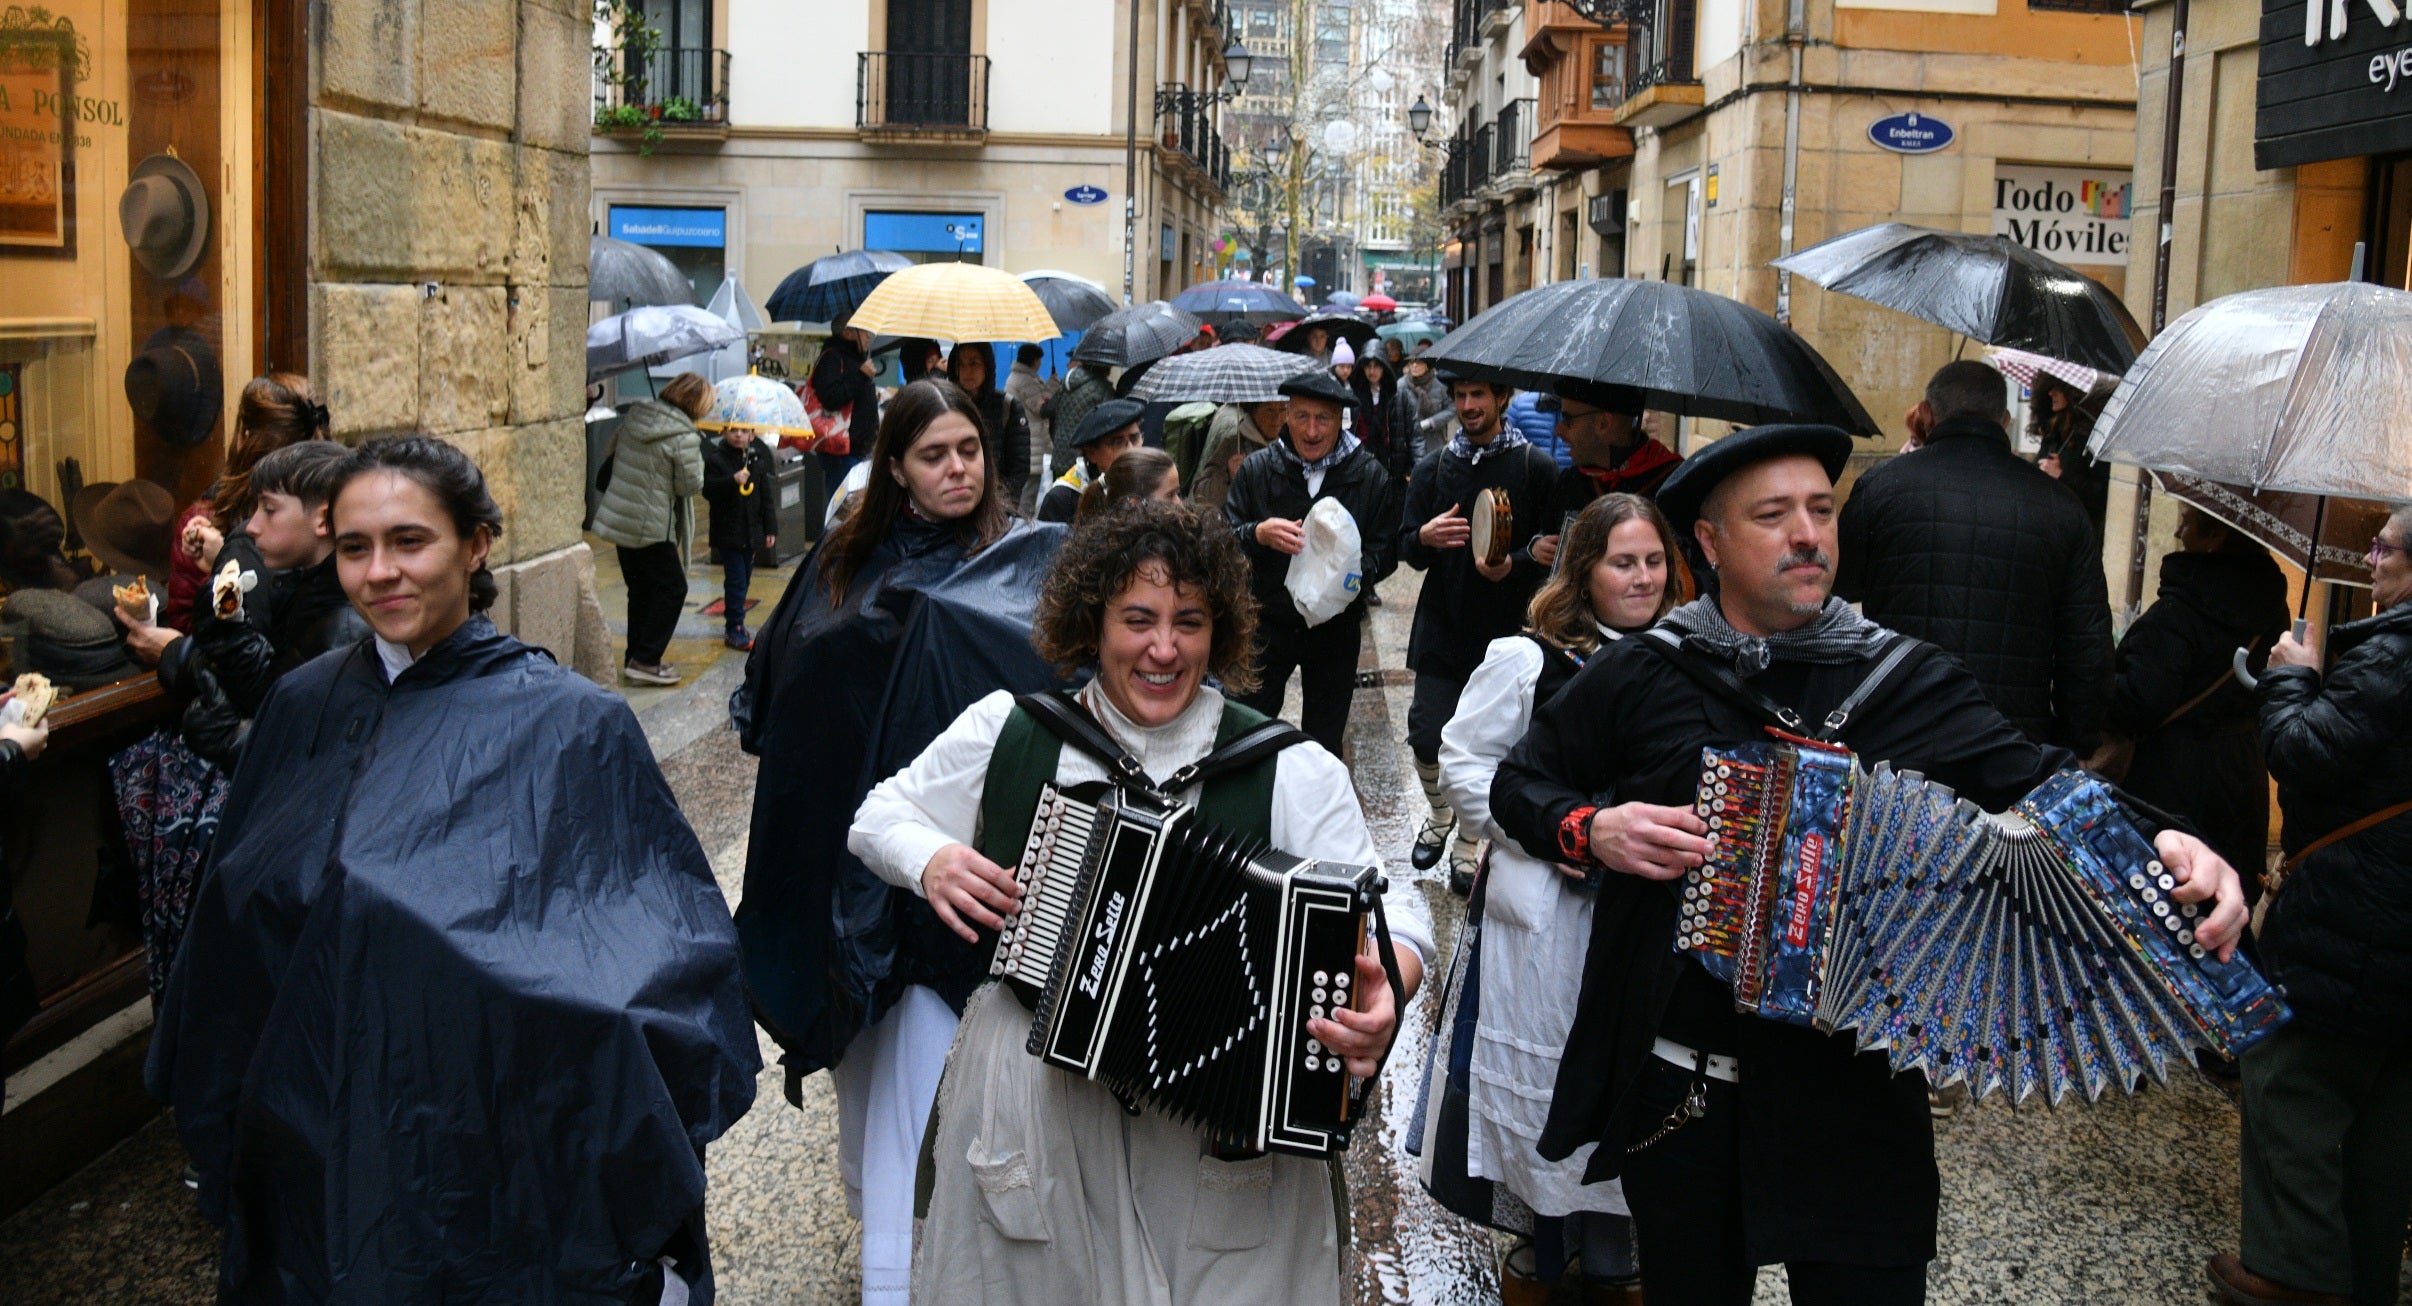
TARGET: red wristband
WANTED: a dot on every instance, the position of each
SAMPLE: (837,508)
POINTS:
(1574,835)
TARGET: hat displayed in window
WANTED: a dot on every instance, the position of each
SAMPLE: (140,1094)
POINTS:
(165,215)
(173,385)
(127,525)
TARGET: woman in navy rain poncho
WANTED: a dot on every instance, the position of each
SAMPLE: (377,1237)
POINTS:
(916,606)
(458,1007)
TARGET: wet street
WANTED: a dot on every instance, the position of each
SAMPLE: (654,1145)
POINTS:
(2118,1203)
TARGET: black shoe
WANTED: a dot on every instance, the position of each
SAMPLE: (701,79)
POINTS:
(1430,843)
(1372,599)
(1461,881)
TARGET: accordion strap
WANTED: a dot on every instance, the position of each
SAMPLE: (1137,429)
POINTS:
(1069,720)
(1721,680)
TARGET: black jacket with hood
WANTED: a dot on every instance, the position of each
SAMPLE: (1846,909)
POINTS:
(2204,765)
(743,516)
(1968,546)
(2338,937)
(225,669)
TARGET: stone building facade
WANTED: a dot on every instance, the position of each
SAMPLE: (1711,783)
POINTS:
(447,268)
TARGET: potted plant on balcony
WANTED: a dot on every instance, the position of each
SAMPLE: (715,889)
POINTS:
(679,108)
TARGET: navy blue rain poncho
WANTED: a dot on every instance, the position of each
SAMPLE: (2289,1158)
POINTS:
(459,1005)
(835,700)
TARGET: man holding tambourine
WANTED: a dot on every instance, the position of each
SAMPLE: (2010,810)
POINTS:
(1474,508)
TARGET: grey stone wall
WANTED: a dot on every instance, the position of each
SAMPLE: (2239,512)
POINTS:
(447,265)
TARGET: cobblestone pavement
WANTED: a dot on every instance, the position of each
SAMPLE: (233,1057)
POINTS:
(2118,1203)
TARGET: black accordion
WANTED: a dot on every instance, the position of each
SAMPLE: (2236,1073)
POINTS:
(1178,965)
(2032,950)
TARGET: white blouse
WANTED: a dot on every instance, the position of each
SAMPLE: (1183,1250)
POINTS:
(935,801)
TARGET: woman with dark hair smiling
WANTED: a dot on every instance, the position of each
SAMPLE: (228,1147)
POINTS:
(1045,1190)
(459,1002)
(846,973)
(1495,1071)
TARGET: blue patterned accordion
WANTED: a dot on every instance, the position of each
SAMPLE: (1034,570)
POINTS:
(2033,949)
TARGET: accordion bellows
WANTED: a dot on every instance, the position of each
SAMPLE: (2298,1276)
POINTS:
(1179,965)
(2032,950)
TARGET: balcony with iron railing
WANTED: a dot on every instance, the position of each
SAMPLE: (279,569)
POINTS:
(671,91)
(915,96)
(1185,122)
(1661,85)
(1512,145)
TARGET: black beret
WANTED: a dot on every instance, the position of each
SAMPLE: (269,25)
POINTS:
(1688,487)
(1107,418)
(1319,383)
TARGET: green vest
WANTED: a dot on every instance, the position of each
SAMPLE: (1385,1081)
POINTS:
(1027,754)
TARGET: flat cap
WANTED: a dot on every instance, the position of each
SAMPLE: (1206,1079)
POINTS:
(1105,419)
(1319,383)
(1689,485)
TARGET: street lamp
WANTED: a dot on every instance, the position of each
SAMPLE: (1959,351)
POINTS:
(1237,64)
(1419,116)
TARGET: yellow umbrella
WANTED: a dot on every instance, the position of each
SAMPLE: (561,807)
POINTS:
(956,301)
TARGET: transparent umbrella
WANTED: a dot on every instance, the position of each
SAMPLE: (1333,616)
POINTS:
(2302,388)
(647,337)
(632,276)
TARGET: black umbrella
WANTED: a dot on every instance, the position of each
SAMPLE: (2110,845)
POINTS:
(1130,336)
(632,276)
(1239,301)
(1355,330)
(1990,289)
(832,284)
(1075,303)
(1689,351)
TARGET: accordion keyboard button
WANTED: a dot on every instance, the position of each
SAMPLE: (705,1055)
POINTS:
(2137,880)
(1323,977)
(1314,1048)
(1339,982)
(2196,952)
(1319,995)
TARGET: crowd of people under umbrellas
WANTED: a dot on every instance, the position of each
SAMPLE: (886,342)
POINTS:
(451,1006)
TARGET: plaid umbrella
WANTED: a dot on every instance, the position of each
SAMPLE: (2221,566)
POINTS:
(956,301)
(1225,374)
(833,284)
(2021,366)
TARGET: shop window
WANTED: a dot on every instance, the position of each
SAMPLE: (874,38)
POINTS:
(927,237)
(119,125)
(694,240)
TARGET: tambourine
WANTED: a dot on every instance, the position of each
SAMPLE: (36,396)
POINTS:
(1494,526)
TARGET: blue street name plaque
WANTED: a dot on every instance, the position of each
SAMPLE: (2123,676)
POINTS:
(1911,133)
(1086,195)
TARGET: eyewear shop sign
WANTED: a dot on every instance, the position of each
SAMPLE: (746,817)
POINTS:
(2336,81)
(2079,216)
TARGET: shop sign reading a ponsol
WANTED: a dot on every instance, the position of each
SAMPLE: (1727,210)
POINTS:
(2078,216)
(2334,77)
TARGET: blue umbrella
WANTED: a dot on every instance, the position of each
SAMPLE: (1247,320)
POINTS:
(833,284)
(1342,299)
(1232,301)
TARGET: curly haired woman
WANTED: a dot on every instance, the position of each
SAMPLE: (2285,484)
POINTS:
(1046,1190)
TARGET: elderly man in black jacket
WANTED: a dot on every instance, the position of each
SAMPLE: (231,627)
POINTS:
(2327,1156)
(1803,1151)
(1275,488)
(1467,601)
(1968,546)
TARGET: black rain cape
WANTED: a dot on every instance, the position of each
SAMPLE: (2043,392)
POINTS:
(836,699)
(459,1005)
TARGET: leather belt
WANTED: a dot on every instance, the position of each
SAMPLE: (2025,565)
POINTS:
(1728,1069)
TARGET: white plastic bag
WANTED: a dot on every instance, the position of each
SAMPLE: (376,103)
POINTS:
(1326,575)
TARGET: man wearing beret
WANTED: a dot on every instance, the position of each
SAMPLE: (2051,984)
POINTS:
(1746,1142)
(1103,434)
(1467,600)
(1311,460)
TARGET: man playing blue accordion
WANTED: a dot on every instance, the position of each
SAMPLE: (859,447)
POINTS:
(1745,1142)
